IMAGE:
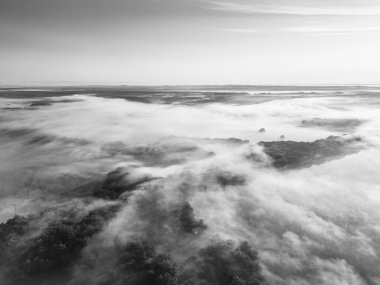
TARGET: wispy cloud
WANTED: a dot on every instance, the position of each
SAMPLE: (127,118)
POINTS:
(332,31)
(303,10)
(308,30)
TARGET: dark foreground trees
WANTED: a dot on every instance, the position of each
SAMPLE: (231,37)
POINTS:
(140,264)
(223,264)
(61,242)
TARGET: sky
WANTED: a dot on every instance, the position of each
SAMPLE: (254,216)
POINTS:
(155,42)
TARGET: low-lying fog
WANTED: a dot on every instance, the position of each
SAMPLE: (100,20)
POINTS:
(192,181)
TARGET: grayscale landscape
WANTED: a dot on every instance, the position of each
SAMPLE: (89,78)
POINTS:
(189,142)
(250,184)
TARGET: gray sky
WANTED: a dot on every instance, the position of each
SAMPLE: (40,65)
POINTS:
(189,41)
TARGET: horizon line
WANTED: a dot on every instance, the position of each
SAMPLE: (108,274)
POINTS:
(179,85)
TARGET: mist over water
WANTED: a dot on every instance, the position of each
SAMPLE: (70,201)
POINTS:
(192,179)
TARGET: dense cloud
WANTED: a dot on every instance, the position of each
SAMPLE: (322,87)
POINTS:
(106,191)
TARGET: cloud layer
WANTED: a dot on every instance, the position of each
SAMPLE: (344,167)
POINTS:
(210,193)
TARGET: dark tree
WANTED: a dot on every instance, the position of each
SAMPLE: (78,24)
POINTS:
(117,182)
(61,242)
(140,264)
(222,264)
(189,224)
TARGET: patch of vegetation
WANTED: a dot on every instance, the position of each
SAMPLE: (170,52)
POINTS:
(61,242)
(345,125)
(140,264)
(117,183)
(41,103)
(262,130)
(229,179)
(292,155)
(188,222)
(16,226)
(223,264)
(10,233)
